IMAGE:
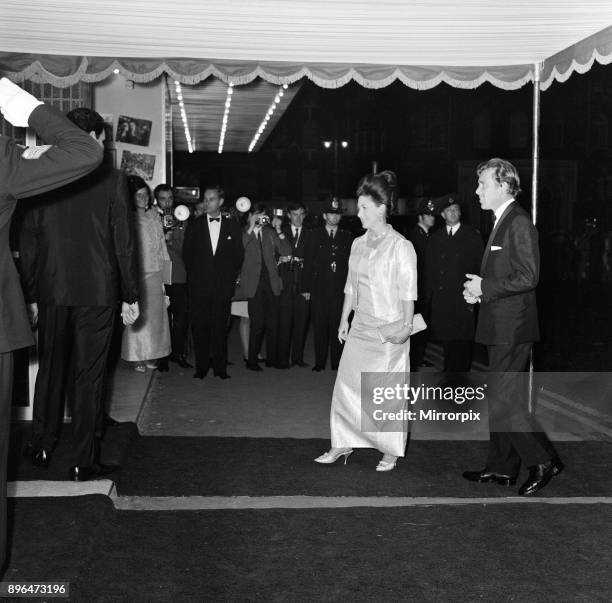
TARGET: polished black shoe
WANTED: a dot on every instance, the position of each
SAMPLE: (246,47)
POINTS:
(300,363)
(282,366)
(486,476)
(426,364)
(109,421)
(253,366)
(539,476)
(223,375)
(180,360)
(317,369)
(199,374)
(82,474)
(39,457)
(162,365)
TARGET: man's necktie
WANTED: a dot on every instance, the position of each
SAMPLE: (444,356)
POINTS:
(215,219)
(450,231)
(331,235)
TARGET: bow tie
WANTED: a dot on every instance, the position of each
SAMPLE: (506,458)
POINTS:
(215,219)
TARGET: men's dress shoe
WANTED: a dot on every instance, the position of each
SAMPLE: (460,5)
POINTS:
(426,364)
(162,365)
(539,476)
(39,457)
(272,364)
(223,375)
(300,363)
(317,369)
(253,366)
(486,476)
(180,360)
(199,374)
(82,473)
(280,366)
(109,421)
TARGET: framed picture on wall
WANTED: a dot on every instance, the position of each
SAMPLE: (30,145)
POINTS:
(139,164)
(133,130)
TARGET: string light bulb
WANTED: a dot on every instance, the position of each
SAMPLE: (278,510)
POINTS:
(179,96)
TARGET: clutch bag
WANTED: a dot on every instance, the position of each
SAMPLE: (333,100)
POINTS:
(390,329)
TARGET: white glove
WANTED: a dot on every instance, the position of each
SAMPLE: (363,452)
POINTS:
(16,104)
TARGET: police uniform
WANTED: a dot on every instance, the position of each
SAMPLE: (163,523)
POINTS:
(448,259)
(325,272)
(419,237)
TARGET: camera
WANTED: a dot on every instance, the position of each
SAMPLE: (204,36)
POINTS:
(168,220)
(262,221)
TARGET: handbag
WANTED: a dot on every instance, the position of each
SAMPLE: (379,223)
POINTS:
(390,329)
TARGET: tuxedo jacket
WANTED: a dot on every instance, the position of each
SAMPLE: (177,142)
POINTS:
(447,261)
(212,275)
(319,277)
(78,246)
(510,270)
(268,252)
(71,155)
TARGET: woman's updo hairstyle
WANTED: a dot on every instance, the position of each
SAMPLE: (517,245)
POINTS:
(381,188)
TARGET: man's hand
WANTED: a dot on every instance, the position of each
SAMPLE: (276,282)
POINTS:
(473,286)
(306,296)
(33,315)
(16,104)
(130,313)
(469,298)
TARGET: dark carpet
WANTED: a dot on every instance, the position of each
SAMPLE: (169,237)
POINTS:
(182,466)
(496,553)
(114,449)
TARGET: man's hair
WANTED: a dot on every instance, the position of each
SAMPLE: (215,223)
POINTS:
(294,206)
(503,171)
(160,188)
(87,119)
(215,187)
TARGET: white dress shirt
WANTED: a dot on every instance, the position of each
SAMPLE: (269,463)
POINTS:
(499,212)
(214,229)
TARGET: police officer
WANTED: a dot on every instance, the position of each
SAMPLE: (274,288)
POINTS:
(418,235)
(325,271)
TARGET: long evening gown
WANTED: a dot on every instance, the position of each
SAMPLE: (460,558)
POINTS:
(364,352)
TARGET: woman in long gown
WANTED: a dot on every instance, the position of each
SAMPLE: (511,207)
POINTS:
(149,337)
(381,288)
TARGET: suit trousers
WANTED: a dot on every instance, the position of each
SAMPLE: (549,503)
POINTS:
(515,435)
(178,316)
(209,316)
(294,312)
(73,349)
(457,356)
(326,314)
(263,316)
(6,391)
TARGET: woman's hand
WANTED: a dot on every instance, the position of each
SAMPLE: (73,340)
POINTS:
(401,336)
(343,330)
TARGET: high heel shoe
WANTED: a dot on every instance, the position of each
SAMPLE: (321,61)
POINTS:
(386,465)
(333,455)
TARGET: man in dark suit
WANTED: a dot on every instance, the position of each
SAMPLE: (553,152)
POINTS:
(325,272)
(419,235)
(213,253)
(508,326)
(265,247)
(174,232)
(451,253)
(294,300)
(68,154)
(78,260)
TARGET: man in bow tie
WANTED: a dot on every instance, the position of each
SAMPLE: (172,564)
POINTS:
(508,326)
(213,253)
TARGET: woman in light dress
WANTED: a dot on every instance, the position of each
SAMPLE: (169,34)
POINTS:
(381,288)
(149,337)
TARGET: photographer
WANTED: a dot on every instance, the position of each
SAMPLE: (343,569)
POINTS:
(265,247)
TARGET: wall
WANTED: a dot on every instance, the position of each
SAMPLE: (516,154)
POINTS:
(115,97)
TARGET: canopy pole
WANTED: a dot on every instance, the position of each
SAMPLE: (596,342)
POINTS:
(535,164)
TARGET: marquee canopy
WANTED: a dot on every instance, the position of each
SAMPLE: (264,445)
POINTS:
(420,43)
